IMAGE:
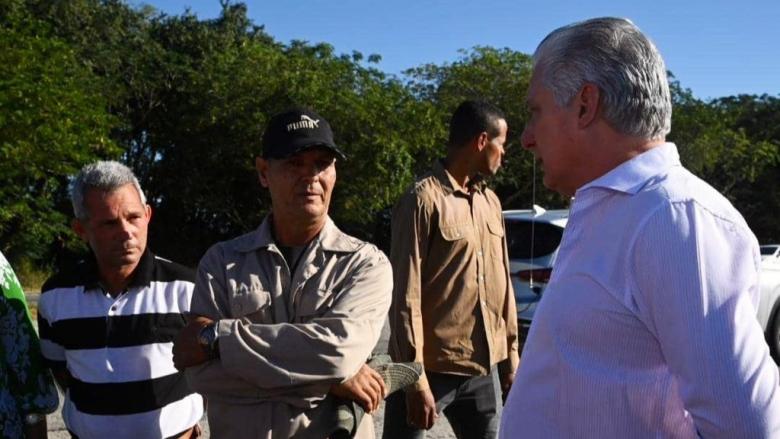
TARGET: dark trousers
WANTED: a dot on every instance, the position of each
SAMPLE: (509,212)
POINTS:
(472,405)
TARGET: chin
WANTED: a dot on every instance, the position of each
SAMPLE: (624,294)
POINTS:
(313,211)
(128,260)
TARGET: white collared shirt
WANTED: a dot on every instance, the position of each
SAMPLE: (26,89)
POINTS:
(648,326)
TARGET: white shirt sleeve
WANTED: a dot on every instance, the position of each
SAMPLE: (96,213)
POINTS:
(697,289)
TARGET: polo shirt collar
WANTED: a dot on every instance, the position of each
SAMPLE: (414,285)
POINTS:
(142,275)
(631,176)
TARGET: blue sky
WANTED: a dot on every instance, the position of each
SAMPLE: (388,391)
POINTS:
(716,48)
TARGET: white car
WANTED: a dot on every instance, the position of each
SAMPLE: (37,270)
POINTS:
(531,263)
(771,251)
(769,306)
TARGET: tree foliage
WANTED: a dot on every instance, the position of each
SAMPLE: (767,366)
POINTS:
(500,76)
(184,102)
(52,121)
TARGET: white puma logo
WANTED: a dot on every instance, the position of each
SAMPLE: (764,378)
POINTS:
(305,122)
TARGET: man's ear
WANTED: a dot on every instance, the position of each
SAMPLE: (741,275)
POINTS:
(481,141)
(148,213)
(588,104)
(78,227)
(261,165)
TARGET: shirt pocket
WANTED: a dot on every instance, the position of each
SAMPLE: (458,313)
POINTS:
(496,240)
(454,232)
(251,303)
(495,267)
(496,227)
(315,302)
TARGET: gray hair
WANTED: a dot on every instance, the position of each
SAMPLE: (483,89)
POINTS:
(105,176)
(623,63)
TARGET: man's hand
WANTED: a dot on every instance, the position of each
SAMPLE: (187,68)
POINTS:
(420,409)
(186,349)
(366,387)
(507,379)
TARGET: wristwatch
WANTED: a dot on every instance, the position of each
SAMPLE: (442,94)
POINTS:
(208,340)
(33,418)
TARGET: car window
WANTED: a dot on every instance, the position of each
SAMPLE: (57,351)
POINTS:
(547,238)
(768,250)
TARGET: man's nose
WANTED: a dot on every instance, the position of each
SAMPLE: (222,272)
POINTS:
(125,229)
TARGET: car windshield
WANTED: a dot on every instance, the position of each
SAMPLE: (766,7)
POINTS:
(547,238)
(768,249)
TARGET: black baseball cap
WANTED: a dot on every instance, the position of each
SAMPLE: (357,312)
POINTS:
(294,130)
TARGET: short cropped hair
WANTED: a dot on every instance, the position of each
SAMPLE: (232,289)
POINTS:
(621,61)
(105,176)
(472,118)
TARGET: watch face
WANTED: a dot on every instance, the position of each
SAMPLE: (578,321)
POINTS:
(32,418)
(206,336)
(203,338)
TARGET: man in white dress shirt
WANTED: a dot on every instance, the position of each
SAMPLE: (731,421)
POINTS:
(647,327)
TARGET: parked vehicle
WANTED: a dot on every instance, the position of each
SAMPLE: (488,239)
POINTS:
(531,260)
(769,306)
(771,251)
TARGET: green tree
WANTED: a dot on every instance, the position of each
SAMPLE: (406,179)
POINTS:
(500,76)
(51,121)
(193,119)
(758,117)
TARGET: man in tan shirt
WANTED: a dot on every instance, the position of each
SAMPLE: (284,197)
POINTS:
(453,305)
(290,312)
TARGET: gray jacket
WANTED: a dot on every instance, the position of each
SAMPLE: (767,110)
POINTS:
(285,338)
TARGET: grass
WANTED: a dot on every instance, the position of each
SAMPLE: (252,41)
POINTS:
(32,278)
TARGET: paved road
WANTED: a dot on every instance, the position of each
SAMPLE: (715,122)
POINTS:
(441,430)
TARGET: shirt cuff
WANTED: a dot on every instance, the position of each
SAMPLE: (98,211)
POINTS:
(509,365)
(420,384)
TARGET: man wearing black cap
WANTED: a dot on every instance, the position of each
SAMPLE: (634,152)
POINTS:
(291,311)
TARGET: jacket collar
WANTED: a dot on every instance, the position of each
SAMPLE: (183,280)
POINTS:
(330,238)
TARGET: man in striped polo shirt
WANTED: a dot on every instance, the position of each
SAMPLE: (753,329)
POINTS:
(107,326)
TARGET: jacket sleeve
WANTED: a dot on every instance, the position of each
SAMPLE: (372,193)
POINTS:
(410,235)
(262,360)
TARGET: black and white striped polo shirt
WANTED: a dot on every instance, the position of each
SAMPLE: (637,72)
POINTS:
(119,350)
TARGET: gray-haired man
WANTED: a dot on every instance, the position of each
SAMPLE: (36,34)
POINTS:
(647,327)
(107,326)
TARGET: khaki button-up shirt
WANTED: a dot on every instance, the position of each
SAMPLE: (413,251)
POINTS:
(284,337)
(453,304)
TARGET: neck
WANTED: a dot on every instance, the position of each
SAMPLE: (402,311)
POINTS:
(607,149)
(295,233)
(626,149)
(458,164)
(116,280)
